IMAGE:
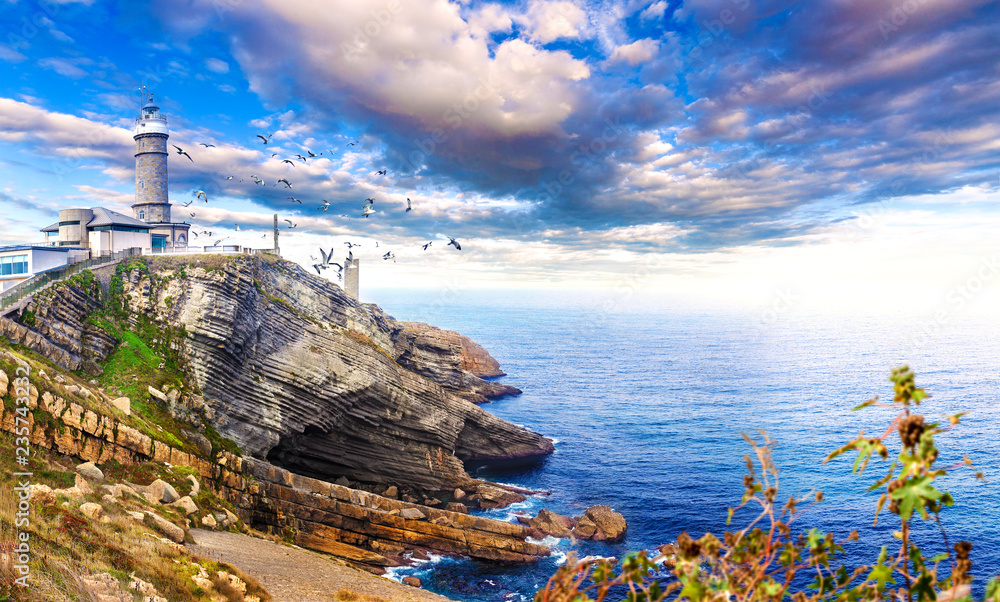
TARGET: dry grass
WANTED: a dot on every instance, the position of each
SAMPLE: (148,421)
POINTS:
(346,595)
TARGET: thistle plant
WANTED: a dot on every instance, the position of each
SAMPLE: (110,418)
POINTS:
(767,562)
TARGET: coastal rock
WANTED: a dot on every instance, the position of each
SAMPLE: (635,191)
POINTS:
(186,504)
(553,524)
(172,531)
(600,523)
(209,521)
(124,404)
(89,470)
(41,495)
(495,497)
(91,510)
(412,581)
(299,374)
(161,492)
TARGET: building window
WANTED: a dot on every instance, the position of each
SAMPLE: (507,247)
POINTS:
(70,223)
(142,215)
(181,238)
(14,264)
(142,185)
(143,144)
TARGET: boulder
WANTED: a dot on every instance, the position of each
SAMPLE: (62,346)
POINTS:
(459,494)
(41,494)
(432,501)
(343,482)
(186,504)
(4,381)
(391,492)
(412,514)
(91,510)
(83,485)
(600,523)
(195,485)
(135,515)
(161,492)
(456,507)
(412,581)
(156,393)
(553,524)
(209,521)
(172,531)
(89,470)
(495,497)
(124,404)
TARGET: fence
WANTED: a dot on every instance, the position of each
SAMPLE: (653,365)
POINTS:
(43,279)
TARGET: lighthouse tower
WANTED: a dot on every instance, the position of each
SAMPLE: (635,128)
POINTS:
(151,203)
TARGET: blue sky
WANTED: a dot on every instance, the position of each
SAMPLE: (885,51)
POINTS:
(728,147)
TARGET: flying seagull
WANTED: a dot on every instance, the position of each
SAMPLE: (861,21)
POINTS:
(287,183)
(350,245)
(296,200)
(237,227)
(290,224)
(230,178)
(201,195)
(207,145)
(265,235)
(193,215)
(428,244)
(289,161)
(266,140)
(409,206)
(453,242)
(273,155)
(187,204)
(181,151)
(312,154)
(389,255)
(381,172)
(367,211)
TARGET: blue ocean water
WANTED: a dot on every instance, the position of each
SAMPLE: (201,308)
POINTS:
(647,401)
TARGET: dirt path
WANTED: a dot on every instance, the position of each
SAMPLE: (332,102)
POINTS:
(296,575)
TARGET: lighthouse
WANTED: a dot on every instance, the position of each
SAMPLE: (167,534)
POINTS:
(151,201)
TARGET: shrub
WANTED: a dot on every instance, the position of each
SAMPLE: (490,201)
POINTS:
(766,562)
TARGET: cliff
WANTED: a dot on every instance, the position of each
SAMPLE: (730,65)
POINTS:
(298,374)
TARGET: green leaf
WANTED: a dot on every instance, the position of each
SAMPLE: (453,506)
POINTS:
(913,494)
(870,402)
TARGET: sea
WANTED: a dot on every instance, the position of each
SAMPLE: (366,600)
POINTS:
(648,400)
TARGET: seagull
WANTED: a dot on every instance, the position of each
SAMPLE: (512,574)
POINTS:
(265,235)
(287,183)
(273,155)
(381,172)
(312,154)
(237,227)
(300,157)
(195,234)
(453,242)
(207,145)
(352,143)
(231,177)
(318,267)
(367,211)
(409,207)
(290,162)
(350,256)
(325,205)
(187,204)
(266,140)
(181,151)
(428,244)
(193,215)
(201,195)
(296,200)
(291,225)
(370,200)
(216,243)
(350,245)
(389,256)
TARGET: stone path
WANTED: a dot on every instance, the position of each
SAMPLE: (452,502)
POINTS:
(297,575)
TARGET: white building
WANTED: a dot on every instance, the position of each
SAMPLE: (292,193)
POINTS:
(20,262)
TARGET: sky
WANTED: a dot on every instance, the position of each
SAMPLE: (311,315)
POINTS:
(833,152)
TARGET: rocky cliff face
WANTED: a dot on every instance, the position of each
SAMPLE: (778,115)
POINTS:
(299,374)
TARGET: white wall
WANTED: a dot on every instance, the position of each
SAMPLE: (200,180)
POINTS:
(42,259)
(100,242)
(124,240)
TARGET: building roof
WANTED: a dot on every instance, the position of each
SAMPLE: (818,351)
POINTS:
(36,247)
(107,217)
(53,228)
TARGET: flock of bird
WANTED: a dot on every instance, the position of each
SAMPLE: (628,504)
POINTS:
(326,259)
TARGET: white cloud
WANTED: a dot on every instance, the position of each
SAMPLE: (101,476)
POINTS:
(640,51)
(66,67)
(489,18)
(654,11)
(547,21)
(10,55)
(216,65)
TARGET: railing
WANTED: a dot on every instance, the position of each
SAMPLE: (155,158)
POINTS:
(43,279)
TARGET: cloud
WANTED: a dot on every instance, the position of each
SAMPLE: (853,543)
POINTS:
(655,10)
(548,20)
(216,65)
(489,18)
(640,51)
(66,67)
(10,55)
